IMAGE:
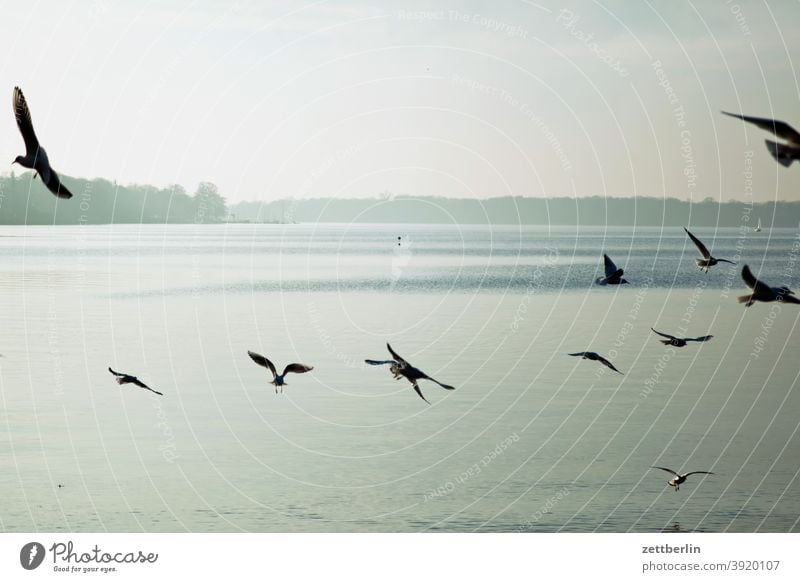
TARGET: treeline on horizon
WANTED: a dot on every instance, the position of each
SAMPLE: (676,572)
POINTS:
(25,200)
(589,211)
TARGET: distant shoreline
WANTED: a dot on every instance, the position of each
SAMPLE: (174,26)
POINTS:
(24,201)
(563,211)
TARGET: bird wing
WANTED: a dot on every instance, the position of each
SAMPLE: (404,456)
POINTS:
(23,115)
(379,362)
(115,373)
(610,267)
(155,391)
(667,470)
(578,354)
(399,359)
(702,338)
(779,128)
(418,391)
(297,369)
(699,472)
(56,187)
(262,361)
(663,334)
(754,283)
(700,246)
(607,364)
(139,383)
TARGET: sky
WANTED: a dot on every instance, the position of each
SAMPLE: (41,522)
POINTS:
(276,99)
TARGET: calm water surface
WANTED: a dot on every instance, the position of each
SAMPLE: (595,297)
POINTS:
(531,439)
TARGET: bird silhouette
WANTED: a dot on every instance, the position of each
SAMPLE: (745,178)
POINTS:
(678,479)
(128,379)
(613,274)
(784,153)
(598,358)
(763,292)
(35,157)
(278,379)
(707,261)
(400,368)
(679,342)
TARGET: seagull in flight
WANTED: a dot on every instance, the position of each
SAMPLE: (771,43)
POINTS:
(613,274)
(278,380)
(35,157)
(707,261)
(679,342)
(763,292)
(128,379)
(597,357)
(784,153)
(402,369)
(678,478)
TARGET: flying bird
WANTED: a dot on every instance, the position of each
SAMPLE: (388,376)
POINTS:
(400,368)
(35,157)
(613,274)
(679,342)
(707,261)
(763,292)
(128,379)
(597,357)
(278,380)
(678,478)
(784,153)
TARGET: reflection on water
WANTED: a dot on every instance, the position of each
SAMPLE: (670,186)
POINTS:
(531,440)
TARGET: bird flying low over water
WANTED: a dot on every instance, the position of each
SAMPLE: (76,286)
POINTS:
(784,153)
(35,157)
(278,380)
(707,261)
(679,342)
(678,478)
(763,292)
(597,357)
(613,274)
(402,369)
(128,379)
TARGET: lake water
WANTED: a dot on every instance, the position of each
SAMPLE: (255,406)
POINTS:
(531,439)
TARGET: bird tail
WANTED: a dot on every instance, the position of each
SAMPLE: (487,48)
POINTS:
(665,342)
(781,153)
(746,299)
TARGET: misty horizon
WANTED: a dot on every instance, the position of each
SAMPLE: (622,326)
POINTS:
(268,100)
(24,200)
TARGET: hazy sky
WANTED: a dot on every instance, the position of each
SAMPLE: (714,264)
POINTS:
(452,98)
